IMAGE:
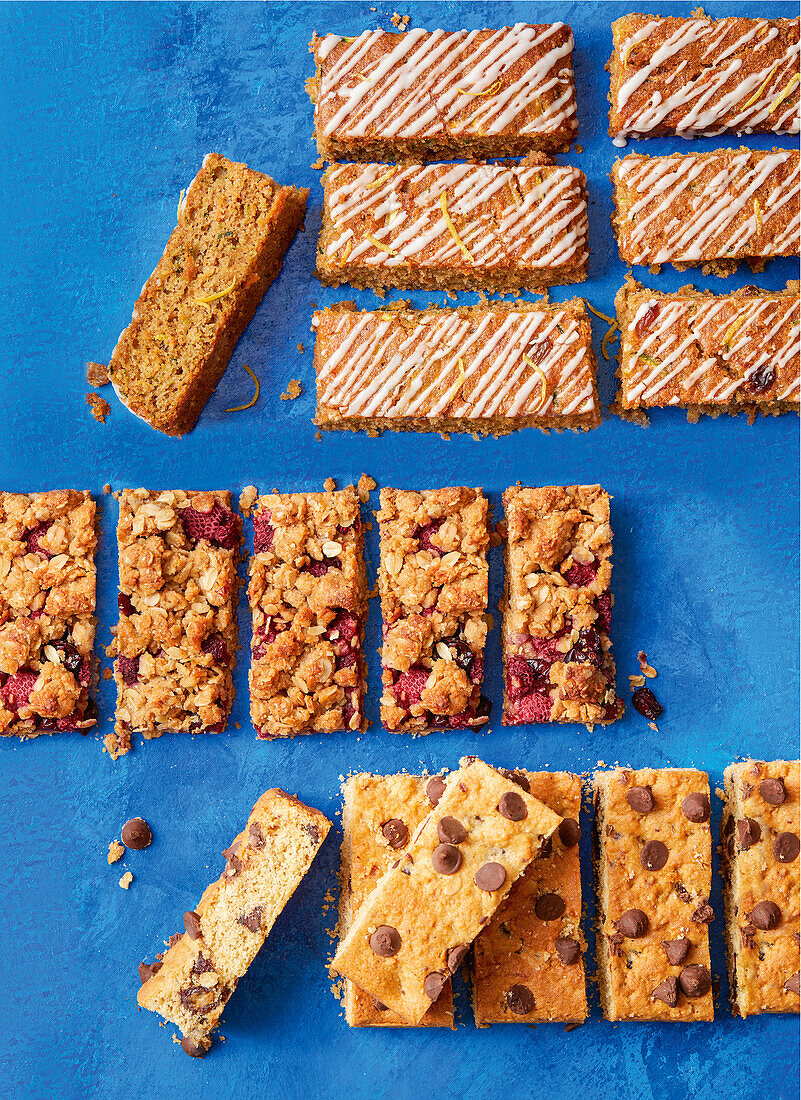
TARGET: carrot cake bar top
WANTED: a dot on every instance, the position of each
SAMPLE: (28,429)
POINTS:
(426,95)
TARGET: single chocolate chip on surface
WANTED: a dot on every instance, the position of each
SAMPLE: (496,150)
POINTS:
(696,808)
(677,950)
(773,791)
(748,832)
(640,799)
(455,956)
(435,789)
(512,806)
(654,855)
(192,924)
(667,991)
(251,920)
(520,1000)
(786,847)
(446,859)
(490,877)
(766,915)
(147,970)
(549,907)
(385,941)
(451,831)
(193,1049)
(792,985)
(518,777)
(136,834)
(568,950)
(569,832)
(704,914)
(632,924)
(546,849)
(695,980)
(434,983)
(396,832)
(256,836)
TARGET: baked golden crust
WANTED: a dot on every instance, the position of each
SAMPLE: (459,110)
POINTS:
(654,861)
(759,844)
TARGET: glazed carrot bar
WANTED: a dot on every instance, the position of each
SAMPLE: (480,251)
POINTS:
(528,963)
(176,640)
(557,655)
(433,582)
(414,928)
(308,600)
(708,353)
(234,227)
(380,815)
(453,226)
(487,368)
(703,76)
(760,846)
(430,96)
(654,876)
(716,208)
(47,612)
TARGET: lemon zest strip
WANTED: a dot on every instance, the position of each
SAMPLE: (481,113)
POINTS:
(379,244)
(611,334)
(255,398)
(731,331)
(786,91)
(543,381)
(459,383)
(347,250)
(180,204)
(762,86)
(383,179)
(758,215)
(208,299)
(604,316)
(490,91)
(443,203)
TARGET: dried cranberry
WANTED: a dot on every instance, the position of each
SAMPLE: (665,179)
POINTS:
(320,568)
(646,703)
(33,537)
(343,630)
(46,724)
(125,605)
(263,532)
(215,646)
(460,721)
(355,526)
(546,649)
(18,687)
(535,707)
(477,670)
(587,648)
(345,660)
(70,657)
(409,686)
(580,574)
(603,605)
(647,319)
(423,536)
(438,721)
(90,711)
(540,351)
(461,652)
(762,379)
(220,526)
(128,668)
(484,707)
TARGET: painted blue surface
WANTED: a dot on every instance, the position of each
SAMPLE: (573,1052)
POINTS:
(107,113)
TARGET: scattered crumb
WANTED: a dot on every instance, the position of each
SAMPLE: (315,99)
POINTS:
(368,526)
(655,269)
(100,407)
(645,668)
(445,437)
(107,673)
(653,726)
(571,1027)
(293,390)
(490,621)
(319,163)
(364,487)
(400,21)
(636,682)
(97,374)
(107,489)
(238,726)
(476,436)
(578,148)
(247,498)
(318,436)
(301,348)
(115,851)
(495,539)
(126,880)
(329,485)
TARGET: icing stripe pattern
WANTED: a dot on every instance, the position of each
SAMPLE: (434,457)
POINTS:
(697,207)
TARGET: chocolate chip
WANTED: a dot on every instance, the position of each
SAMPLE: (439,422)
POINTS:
(451,831)
(434,983)
(379,1006)
(640,799)
(786,847)
(192,925)
(569,832)
(546,849)
(696,808)
(765,915)
(193,1049)
(518,777)
(568,950)
(512,806)
(455,956)
(233,864)
(695,980)
(312,830)
(614,944)
(704,914)
(792,983)
(147,970)
(396,832)
(435,788)
(728,828)
(653,855)
(251,920)
(446,859)
(773,791)
(136,834)
(256,836)
(549,907)
(385,941)
(748,832)
(677,950)
(632,924)
(667,991)
(490,877)
(520,1000)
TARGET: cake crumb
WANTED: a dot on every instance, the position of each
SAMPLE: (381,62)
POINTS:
(318,436)
(100,407)
(97,374)
(645,668)
(107,674)
(578,148)
(445,437)
(115,851)
(107,489)
(329,485)
(364,487)
(126,880)
(319,164)
(293,390)
(301,348)
(247,498)
(653,726)
(399,21)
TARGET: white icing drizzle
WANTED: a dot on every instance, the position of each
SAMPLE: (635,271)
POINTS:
(716,99)
(532,217)
(733,205)
(412,89)
(472,366)
(710,348)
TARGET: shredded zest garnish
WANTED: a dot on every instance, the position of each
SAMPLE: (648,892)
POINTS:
(443,203)
(783,94)
(758,215)
(254,399)
(348,249)
(762,86)
(180,204)
(459,383)
(611,332)
(379,244)
(543,380)
(732,329)
(490,91)
(206,300)
(383,179)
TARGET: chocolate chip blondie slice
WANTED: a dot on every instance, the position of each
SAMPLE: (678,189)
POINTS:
(190,984)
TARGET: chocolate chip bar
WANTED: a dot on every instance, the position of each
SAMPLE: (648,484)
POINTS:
(47,607)
(433,583)
(760,846)
(308,600)
(176,640)
(414,929)
(190,984)
(653,876)
(557,656)
(380,814)
(528,963)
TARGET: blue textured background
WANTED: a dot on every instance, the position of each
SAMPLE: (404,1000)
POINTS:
(107,111)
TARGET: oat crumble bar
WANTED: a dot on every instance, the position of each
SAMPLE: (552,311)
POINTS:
(176,641)
(433,583)
(557,655)
(308,600)
(47,612)
(654,877)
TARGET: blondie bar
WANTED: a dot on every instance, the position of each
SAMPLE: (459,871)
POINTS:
(760,846)
(413,930)
(654,876)
(431,96)
(557,656)
(697,208)
(176,640)
(454,226)
(190,984)
(308,600)
(433,583)
(703,76)
(486,368)
(380,814)
(234,227)
(528,963)
(47,607)
(708,353)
